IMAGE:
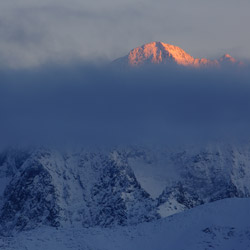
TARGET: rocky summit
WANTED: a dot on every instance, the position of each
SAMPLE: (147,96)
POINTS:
(163,53)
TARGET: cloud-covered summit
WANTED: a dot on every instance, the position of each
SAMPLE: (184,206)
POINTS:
(34,33)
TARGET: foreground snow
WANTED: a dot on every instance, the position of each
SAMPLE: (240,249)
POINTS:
(222,225)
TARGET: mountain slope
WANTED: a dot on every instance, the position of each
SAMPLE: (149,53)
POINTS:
(87,188)
(120,186)
(222,225)
(185,177)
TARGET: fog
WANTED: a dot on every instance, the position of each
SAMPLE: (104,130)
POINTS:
(84,103)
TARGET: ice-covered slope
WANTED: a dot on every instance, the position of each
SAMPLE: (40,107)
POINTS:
(163,53)
(222,225)
(119,186)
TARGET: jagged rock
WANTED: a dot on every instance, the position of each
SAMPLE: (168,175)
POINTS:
(111,187)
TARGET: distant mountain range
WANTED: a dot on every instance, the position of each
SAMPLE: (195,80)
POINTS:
(122,186)
(163,53)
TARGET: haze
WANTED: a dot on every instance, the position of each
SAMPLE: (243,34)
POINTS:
(37,32)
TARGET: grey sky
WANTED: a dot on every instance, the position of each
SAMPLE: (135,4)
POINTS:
(34,32)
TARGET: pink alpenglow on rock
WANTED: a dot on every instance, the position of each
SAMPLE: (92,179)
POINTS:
(163,53)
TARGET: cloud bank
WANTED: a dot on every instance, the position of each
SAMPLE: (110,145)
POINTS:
(89,104)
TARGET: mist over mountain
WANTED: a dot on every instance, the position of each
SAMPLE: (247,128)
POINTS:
(122,149)
(124,125)
(87,103)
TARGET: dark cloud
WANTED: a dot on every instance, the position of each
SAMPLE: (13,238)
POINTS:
(85,103)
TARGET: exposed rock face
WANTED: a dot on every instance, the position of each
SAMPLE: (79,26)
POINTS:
(30,199)
(207,175)
(55,189)
(162,53)
(107,188)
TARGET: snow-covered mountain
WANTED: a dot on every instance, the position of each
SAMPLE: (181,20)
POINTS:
(56,189)
(120,186)
(163,53)
(221,225)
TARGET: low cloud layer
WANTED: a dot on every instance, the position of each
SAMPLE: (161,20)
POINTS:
(90,104)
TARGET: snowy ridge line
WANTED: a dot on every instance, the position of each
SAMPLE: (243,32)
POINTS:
(118,187)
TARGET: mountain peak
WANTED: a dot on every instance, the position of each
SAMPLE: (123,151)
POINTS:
(227,58)
(158,52)
(163,53)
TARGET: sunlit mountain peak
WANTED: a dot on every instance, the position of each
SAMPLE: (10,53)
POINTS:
(163,53)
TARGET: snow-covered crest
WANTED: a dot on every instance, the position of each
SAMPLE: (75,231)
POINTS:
(163,53)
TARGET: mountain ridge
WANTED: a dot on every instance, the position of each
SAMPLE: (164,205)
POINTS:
(163,53)
(109,188)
